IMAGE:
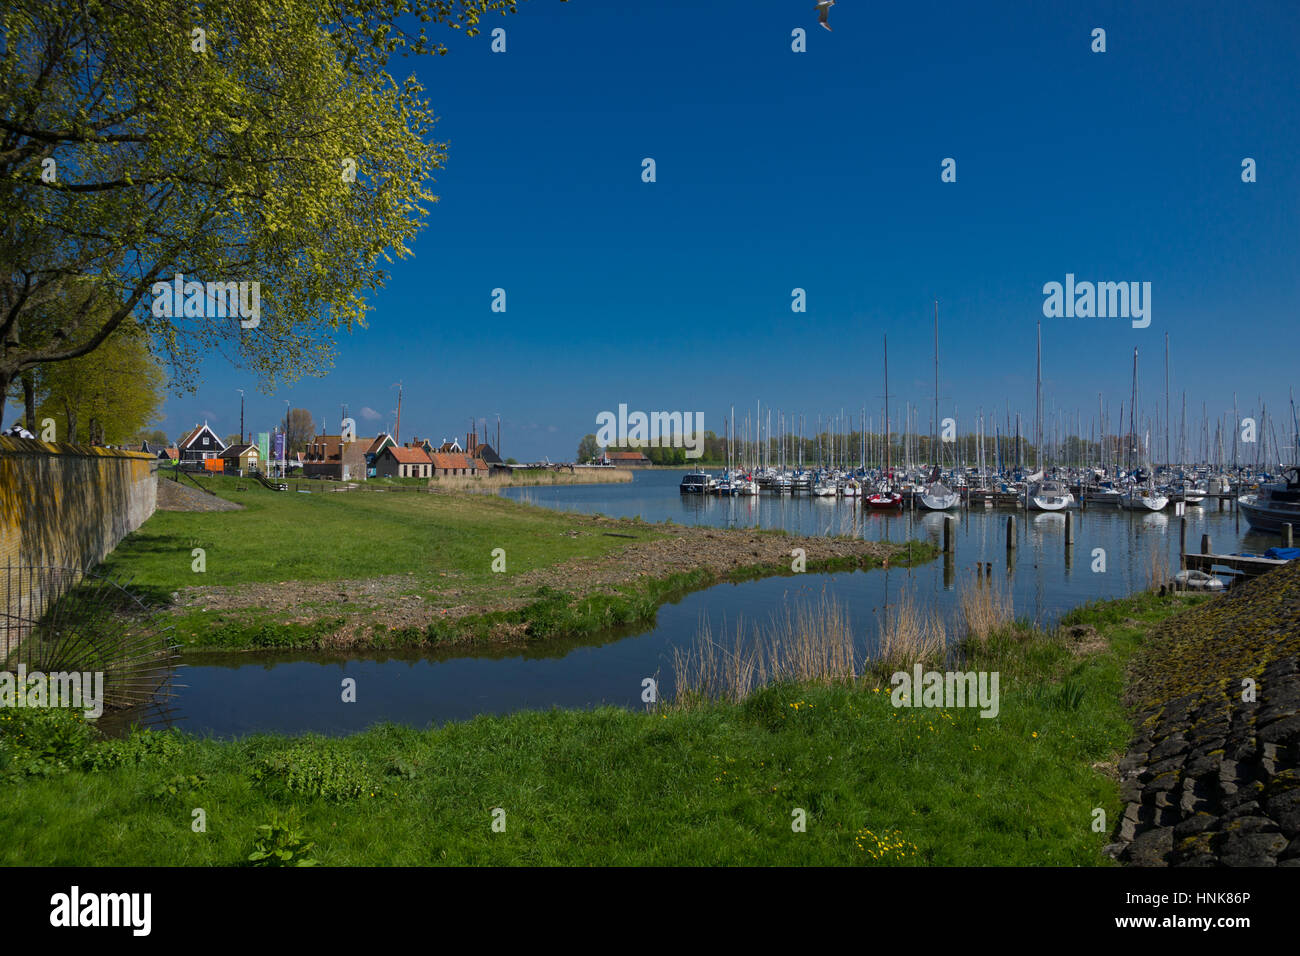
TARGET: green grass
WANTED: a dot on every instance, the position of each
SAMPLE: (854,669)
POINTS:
(437,546)
(717,785)
(350,535)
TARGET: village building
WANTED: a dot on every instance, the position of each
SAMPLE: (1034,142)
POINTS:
(199,444)
(382,440)
(625,459)
(447,464)
(241,459)
(329,456)
(394,462)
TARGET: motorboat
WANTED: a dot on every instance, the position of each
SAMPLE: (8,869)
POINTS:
(1274,504)
(695,483)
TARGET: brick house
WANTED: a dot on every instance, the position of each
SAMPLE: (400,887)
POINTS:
(329,456)
(446,464)
(394,462)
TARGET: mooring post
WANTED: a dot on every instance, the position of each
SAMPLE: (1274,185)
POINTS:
(1182,544)
(1287,536)
(1011,532)
(1205,544)
(948,522)
(1069,530)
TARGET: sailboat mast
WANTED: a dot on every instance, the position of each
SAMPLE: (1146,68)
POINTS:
(887,440)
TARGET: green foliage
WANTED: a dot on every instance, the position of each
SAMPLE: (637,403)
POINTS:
(308,769)
(222,155)
(180,785)
(140,748)
(41,741)
(279,845)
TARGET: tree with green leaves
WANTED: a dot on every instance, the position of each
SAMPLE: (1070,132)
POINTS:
(588,448)
(229,141)
(104,397)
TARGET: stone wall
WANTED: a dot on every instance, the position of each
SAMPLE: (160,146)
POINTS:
(1212,777)
(63,505)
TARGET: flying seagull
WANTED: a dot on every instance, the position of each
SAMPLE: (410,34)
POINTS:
(823,9)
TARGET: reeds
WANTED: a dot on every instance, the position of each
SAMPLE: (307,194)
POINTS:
(1157,566)
(909,635)
(493,483)
(986,607)
(809,643)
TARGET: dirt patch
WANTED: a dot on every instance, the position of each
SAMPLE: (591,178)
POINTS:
(1084,640)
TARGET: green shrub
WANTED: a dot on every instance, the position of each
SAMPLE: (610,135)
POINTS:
(309,769)
(278,845)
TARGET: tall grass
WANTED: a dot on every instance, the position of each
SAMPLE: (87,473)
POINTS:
(805,644)
(987,607)
(909,635)
(1157,566)
(533,477)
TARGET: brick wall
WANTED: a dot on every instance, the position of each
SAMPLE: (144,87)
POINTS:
(64,505)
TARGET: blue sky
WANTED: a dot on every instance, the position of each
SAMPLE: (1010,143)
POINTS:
(821,170)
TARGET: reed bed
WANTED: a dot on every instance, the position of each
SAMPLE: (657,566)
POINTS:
(493,483)
(987,606)
(806,644)
(1157,566)
(909,635)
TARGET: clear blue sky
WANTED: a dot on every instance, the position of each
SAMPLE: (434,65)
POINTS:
(821,170)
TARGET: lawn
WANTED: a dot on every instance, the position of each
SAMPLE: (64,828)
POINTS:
(878,785)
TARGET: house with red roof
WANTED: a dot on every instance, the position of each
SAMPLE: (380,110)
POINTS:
(395,462)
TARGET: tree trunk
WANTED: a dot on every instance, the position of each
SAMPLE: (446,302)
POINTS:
(29,400)
(5,379)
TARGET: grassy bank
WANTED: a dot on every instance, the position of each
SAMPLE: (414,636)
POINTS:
(386,570)
(707,784)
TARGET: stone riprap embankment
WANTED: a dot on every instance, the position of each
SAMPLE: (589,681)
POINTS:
(1212,777)
(174,496)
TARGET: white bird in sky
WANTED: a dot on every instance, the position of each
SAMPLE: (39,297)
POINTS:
(823,9)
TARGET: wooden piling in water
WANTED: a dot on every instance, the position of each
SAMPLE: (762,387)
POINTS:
(1069,530)
(948,522)
(1287,535)
(1011,532)
(1205,544)
(1182,543)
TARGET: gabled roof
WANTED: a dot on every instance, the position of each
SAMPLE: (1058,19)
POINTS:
(382,440)
(452,446)
(405,456)
(626,456)
(238,451)
(198,430)
(450,461)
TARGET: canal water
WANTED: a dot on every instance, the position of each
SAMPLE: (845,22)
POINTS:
(299,692)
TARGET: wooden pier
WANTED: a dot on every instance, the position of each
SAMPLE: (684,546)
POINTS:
(1246,567)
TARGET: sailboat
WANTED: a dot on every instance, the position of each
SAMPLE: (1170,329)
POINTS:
(937,496)
(1142,494)
(884,499)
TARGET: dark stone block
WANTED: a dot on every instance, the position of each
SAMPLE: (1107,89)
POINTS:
(1151,848)
(1251,849)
